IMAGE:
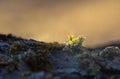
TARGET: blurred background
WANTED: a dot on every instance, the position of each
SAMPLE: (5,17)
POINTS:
(53,20)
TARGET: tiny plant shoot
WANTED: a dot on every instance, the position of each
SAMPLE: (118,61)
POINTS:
(73,41)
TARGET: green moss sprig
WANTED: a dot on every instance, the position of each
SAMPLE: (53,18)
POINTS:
(73,41)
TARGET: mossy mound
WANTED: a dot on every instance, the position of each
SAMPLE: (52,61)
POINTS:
(29,59)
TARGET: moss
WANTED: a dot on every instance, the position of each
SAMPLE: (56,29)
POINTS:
(12,66)
(72,41)
(46,47)
(113,77)
(110,52)
(38,62)
(74,44)
(55,46)
(3,61)
(27,73)
(29,51)
(15,48)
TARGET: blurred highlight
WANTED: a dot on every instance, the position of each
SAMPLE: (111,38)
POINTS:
(53,20)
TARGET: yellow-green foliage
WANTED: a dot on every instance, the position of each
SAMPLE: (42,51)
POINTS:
(75,40)
(15,48)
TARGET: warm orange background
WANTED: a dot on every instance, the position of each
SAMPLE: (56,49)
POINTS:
(53,20)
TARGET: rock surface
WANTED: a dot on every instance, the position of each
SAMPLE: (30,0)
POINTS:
(29,59)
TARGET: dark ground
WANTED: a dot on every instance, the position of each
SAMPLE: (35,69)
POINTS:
(29,59)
